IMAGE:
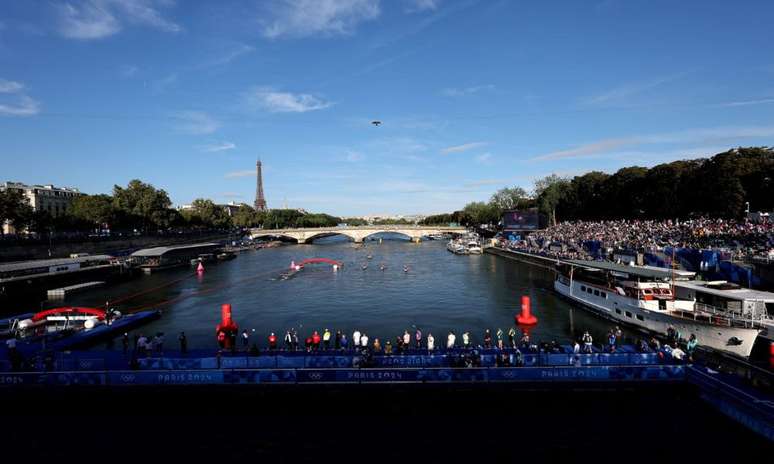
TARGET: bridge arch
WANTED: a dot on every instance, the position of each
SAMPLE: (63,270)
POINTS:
(328,233)
(404,233)
(255,236)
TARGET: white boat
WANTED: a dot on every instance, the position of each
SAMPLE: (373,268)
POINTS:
(642,297)
(474,248)
(456,247)
(731,300)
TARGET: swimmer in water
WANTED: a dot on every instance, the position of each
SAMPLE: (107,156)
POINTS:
(405,268)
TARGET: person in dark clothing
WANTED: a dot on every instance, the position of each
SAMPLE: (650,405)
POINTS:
(125,342)
(183,343)
(337,340)
(487,339)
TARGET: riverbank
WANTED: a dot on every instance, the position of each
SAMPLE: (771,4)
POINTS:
(16,251)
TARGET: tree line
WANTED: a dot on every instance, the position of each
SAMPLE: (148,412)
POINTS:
(720,186)
(146,209)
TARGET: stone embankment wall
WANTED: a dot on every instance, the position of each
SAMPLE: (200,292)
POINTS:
(20,252)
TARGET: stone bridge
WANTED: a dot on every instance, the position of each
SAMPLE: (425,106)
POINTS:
(358,234)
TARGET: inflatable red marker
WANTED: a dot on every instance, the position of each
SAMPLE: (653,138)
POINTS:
(525,317)
(200,268)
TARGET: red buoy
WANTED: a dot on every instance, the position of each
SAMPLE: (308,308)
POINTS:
(771,355)
(200,268)
(526,317)
(227,327)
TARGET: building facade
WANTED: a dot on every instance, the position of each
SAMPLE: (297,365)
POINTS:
(53,200)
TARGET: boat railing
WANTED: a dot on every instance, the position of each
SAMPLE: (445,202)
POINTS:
(733,317)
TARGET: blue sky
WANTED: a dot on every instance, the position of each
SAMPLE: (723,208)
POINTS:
(473,95)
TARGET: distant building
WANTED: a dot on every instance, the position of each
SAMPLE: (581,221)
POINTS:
(232,207)
(53,200)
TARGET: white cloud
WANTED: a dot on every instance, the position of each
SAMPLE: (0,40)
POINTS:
(416,6)
(692,136)
(237,174)
(223,146)
(484,158)
(96,19)
(285,102)
(587,149)
(10,86)
(196,122)
(304,18)
(622,92)
(461,92)
(225,53)
(463,147)
(14,102)
(761,101)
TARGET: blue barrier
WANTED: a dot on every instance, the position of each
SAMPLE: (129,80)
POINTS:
(348,376)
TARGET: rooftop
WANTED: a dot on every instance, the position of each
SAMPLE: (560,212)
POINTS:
(39,263)
(736,293)
(158,251)
(648,272)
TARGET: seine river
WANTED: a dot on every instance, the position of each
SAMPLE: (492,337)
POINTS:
(440,292)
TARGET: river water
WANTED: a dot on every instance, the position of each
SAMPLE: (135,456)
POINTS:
(440,292)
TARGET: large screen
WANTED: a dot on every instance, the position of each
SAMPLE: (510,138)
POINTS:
(521,219)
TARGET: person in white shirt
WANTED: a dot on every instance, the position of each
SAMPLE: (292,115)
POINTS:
(430,342)
(356,338)
(576,347)
(364,340)
(406,339)
(678,354)
(466,339)
(450,340)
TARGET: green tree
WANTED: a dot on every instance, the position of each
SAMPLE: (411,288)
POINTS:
(205,213)
(14,209)
(145,206)
(478,212)
(245,216)
(94,209)
(509,198)
(550,191)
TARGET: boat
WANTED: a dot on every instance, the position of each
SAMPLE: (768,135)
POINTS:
(456,247)
(225,256)
(69,327)
(731,300)
(474,248)
(643,297)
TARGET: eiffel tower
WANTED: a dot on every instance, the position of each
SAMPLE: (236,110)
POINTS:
(260,201)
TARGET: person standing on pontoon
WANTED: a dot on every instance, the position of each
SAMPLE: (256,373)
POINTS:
(418,338)
(450,339)
(356,338)
(430,342)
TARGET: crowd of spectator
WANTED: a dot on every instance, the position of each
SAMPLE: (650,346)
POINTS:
(582,239)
